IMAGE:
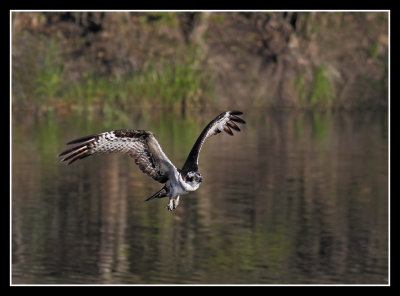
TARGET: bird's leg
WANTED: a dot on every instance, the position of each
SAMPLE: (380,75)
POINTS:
(176,202)
(173,203)
(170,204)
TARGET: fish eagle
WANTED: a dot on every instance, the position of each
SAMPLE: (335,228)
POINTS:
(144,148)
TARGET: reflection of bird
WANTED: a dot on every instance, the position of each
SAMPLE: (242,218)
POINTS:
(143,147)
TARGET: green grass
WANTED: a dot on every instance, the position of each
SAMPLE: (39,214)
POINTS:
(321,89)
(318,92)
(174,82)
(49,80)
(169,84)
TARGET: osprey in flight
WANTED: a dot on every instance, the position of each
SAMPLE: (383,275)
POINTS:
(143,147)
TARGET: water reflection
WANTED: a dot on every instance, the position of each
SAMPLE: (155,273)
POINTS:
(297,197)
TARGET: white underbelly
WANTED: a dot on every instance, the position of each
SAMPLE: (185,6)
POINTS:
(176,189)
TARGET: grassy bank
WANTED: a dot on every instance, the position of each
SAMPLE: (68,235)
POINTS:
(111,61)
(45,83)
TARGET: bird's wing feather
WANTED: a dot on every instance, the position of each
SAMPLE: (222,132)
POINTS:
(141,145)
(225,121)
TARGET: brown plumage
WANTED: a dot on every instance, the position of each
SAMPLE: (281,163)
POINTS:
(141,145)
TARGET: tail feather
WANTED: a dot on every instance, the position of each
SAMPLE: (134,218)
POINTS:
(159,194)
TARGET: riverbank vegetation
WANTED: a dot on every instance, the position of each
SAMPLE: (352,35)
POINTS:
(110,61)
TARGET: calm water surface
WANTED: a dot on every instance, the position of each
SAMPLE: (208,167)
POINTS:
(296,198)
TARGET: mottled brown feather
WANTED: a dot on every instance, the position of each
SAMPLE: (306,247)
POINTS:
(141,145)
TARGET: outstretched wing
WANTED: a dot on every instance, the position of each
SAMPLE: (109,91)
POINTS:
(223,122)
(141,145)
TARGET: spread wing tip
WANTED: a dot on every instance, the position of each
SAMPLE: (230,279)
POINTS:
(235,112)
(75,153)
(230,124)
(79,151)
(234,116)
